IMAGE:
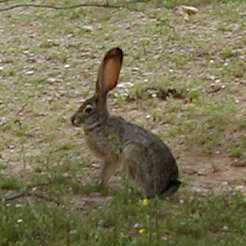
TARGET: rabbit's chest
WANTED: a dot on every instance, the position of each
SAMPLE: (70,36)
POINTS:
(103,143)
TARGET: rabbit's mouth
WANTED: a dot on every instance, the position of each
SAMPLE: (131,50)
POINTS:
(75,121)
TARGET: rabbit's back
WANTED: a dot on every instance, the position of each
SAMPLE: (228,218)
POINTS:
(149,160)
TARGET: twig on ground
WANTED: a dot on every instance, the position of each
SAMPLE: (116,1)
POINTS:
(22,108)
(82,5)
(5,1)
(31,194)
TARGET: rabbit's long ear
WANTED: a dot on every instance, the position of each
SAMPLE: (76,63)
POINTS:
(109,72)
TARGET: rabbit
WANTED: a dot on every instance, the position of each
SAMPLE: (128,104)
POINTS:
(148,161)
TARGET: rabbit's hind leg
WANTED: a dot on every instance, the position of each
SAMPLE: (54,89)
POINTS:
(134,160)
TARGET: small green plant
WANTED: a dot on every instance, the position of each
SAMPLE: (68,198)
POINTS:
(227,53)
(9,183)
(236,69)
(236,152)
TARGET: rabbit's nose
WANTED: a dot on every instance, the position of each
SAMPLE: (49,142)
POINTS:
(75,120)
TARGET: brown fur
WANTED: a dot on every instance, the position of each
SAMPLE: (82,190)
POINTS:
(119,143)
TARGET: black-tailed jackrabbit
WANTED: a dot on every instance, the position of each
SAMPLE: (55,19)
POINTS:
(117,142)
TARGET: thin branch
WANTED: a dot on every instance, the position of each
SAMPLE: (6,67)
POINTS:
(31,194)
(59,7)
(13,197)
(22,108)
(46,198)
(82,5)
(5,1)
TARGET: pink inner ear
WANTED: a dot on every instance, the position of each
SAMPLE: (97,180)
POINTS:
(111,73)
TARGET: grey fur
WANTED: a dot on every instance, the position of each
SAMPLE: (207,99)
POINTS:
(119,143)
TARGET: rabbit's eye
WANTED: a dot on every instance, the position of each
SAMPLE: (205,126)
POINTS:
(88,109)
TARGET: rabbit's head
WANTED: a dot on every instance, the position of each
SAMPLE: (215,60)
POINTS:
(94,110)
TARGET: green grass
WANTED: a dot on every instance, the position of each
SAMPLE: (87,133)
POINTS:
(9,183)
(188,87)
(127,221)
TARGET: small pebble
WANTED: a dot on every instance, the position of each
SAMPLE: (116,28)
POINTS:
(30,72)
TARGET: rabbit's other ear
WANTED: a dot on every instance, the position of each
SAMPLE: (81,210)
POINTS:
(109,71)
